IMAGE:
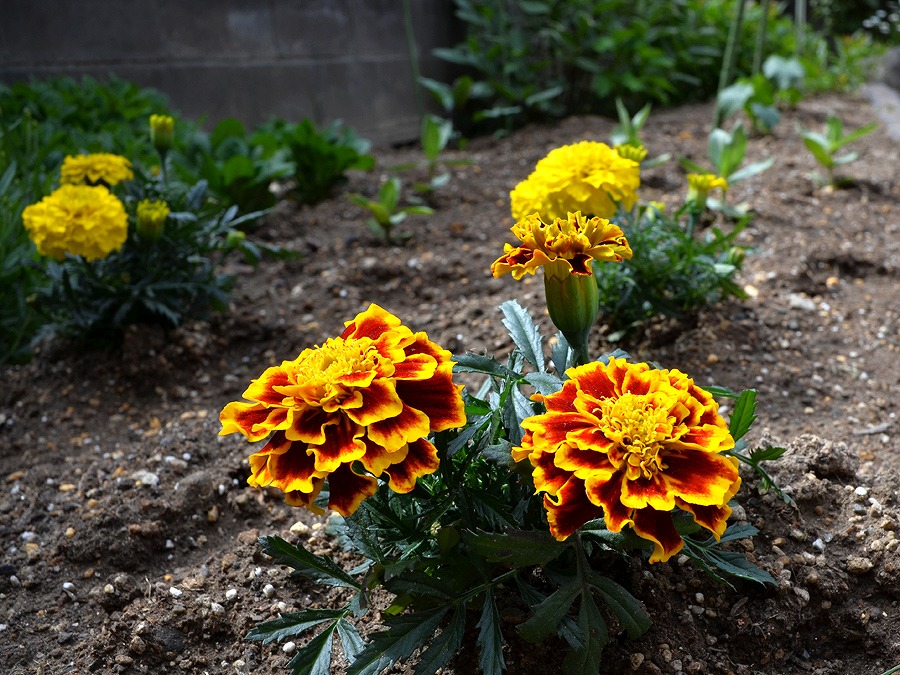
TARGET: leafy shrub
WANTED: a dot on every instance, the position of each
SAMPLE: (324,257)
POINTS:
(555,57)
(19,271)
(674,270)
(320,158)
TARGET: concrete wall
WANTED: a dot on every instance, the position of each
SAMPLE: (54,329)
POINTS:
(250,59)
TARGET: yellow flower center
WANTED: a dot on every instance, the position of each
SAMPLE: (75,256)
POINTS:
(329,375)
(638,427)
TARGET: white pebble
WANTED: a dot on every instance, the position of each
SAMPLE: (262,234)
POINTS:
(289,647)
(175,592)
(819,545)
(268,590)
(861,491)
(231,594)
(216,608)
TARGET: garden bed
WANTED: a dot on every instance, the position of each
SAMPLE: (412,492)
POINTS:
(129,533)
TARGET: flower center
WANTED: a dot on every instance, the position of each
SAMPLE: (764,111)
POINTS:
(329,374)
(637,426)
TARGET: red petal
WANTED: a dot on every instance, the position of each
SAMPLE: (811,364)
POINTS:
(342,445)
(594,380)
(262,388)
(420,460)
(438,398)
(657,526)
(713,518)
(288,471)
(306,499)
(415,367)
(309,425)
(370,323)
(347,490)
(701,478)
(553,428)
(253,420)
(379,402)
(410,425)
(548,477)
(570,510)
(608,494)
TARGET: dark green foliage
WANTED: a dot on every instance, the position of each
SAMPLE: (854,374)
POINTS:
(540,58)
(674,271)
(320,158)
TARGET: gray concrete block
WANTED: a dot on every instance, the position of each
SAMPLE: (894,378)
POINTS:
(218,29)
(314,28)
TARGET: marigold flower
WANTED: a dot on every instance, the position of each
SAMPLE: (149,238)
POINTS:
(151,218)
(162,132)
(101,167)
(633,444)
(701,184)
(365,399)
(588,176)
(79,219)
(637,153)
(563,247)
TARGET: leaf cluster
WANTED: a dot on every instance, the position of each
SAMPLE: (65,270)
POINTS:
(759,96)
(824,147)
(674,271)
(387,212)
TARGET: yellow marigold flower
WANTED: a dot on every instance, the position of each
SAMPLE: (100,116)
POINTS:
(565,246)
(101,167)
(79,219)
(633,444)
(368,398)
(151,218)
(701,184)
(588,176)
(162,132)
(637,153)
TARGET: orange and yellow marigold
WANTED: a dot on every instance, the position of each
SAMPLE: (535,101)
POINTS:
(631,443)
(364,401)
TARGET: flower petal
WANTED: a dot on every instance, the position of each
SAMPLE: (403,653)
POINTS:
(370,323)
(570,510)
(342,445)
(421,459)
(306,499)
(713,518)
(347,490)
(254,420)
(397,431)
(608,494)
(262,389)
(379,402)
(701,478)
(548,477)
(438,398)
(657,526)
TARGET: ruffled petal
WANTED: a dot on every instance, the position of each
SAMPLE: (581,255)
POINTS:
(342,445)
(421,459)
(306,499)
(254,420)
(262,389)
(347,490)
(569,510)
(701,478)
(439,398)
(547,476)
(657,526)
(608,495)
(714,518)
(584,462)
(397,431)
(370,323)
(380,401)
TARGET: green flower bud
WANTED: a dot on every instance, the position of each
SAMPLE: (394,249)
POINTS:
(151,219)
(162,133)
(573,302)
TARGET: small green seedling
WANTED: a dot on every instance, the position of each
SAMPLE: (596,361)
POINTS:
(386,212)
(824,147)
(628,132)
(436,133)
(726,153)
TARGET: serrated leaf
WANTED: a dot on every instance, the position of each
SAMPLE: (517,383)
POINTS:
(351,642)
(767,453)
(315,657)
(519,548)
(323,570)
(419,584)
(623,604)
(544,383)
(524,333)
(405,634)
(743,415)
(473,426)
(490,639)
(548,614)
(292,624)
(562,355)
(736,564)
(739,531)
(477,363)
(723,392)
(593,627)
(444,646)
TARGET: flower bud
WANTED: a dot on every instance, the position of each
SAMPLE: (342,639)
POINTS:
(151,219)
(699,186)
(573,302)
(234,238)
(162,132)
(636,153)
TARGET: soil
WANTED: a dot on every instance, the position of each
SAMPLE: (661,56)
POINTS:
(129,533)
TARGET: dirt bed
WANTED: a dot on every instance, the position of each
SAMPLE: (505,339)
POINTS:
(129,534)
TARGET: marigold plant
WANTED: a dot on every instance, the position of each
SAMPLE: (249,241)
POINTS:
(633,444)
(370,396)
(82,220)
(588,176)
(95,169)
(701,184)
(151,218)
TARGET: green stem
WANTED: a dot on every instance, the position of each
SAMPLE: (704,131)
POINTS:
(730,56)
(761,38)
(413,55)
(800,25)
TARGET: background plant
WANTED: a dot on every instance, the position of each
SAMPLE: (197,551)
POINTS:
(387,212)
(825,146)
(675,271)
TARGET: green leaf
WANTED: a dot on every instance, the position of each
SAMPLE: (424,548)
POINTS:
(477,363)
(322,570)
(490,639)
(593,627)
(444,646)
(548,614)
(351,642)
(736,532)
(767,453)
(519,548)
(743,415)
(419,584)
(292,624)
(750,170)
(405,634)
(732,99)
(544,383)
(623,604)
(315,657)
(854,135)
(562,355)
(818,149)
(723,392)
(524,333)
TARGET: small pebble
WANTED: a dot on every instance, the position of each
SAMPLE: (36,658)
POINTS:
(216,608)
(857,565)
(231,594)
(175,592)
(268,590)
(289,647)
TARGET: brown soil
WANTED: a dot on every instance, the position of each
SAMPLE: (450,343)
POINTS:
(129,534)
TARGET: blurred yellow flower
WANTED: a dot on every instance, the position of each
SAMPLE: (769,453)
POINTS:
(589,177)
(79,219)
(700,185)
(102,167)
(151,218)
(637,153)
